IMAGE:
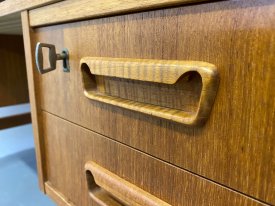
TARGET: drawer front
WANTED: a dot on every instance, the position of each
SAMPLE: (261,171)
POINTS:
(236,145)
(69,148)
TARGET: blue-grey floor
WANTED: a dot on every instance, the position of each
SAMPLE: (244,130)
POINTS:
(18,176)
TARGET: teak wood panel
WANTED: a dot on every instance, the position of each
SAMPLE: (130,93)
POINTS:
(13,6)
(69,148)
(34,100)
(56,196)
(82,9)
(13,77)
(236,145)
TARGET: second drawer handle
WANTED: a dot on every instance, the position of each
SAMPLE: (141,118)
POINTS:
(107,189)
(159,71)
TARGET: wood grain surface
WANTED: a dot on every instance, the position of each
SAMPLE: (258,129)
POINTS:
(13,77)
(34,101)
(149,70)
(105,186)
(12,6)
(236,145)
(66,169)
(57,197)
(82,9)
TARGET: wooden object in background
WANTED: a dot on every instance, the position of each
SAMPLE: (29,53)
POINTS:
(13,77)
(157,71)
(15,120)
(80,9)
(11,24)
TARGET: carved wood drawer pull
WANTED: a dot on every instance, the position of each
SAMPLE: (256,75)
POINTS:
(107,189)
(154,71)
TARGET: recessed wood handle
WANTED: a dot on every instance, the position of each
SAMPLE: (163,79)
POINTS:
(108,189)
(159,71)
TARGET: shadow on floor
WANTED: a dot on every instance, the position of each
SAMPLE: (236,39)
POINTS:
(26,156)
(18,176)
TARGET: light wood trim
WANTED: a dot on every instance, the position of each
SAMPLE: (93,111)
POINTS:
(149,70)
(35,108)
(101,178)
(13,6)
(160,71)
(83,9)
(58,198)
(15,120)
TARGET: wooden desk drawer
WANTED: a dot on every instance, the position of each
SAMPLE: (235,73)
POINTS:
(69,147)
(236,145)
